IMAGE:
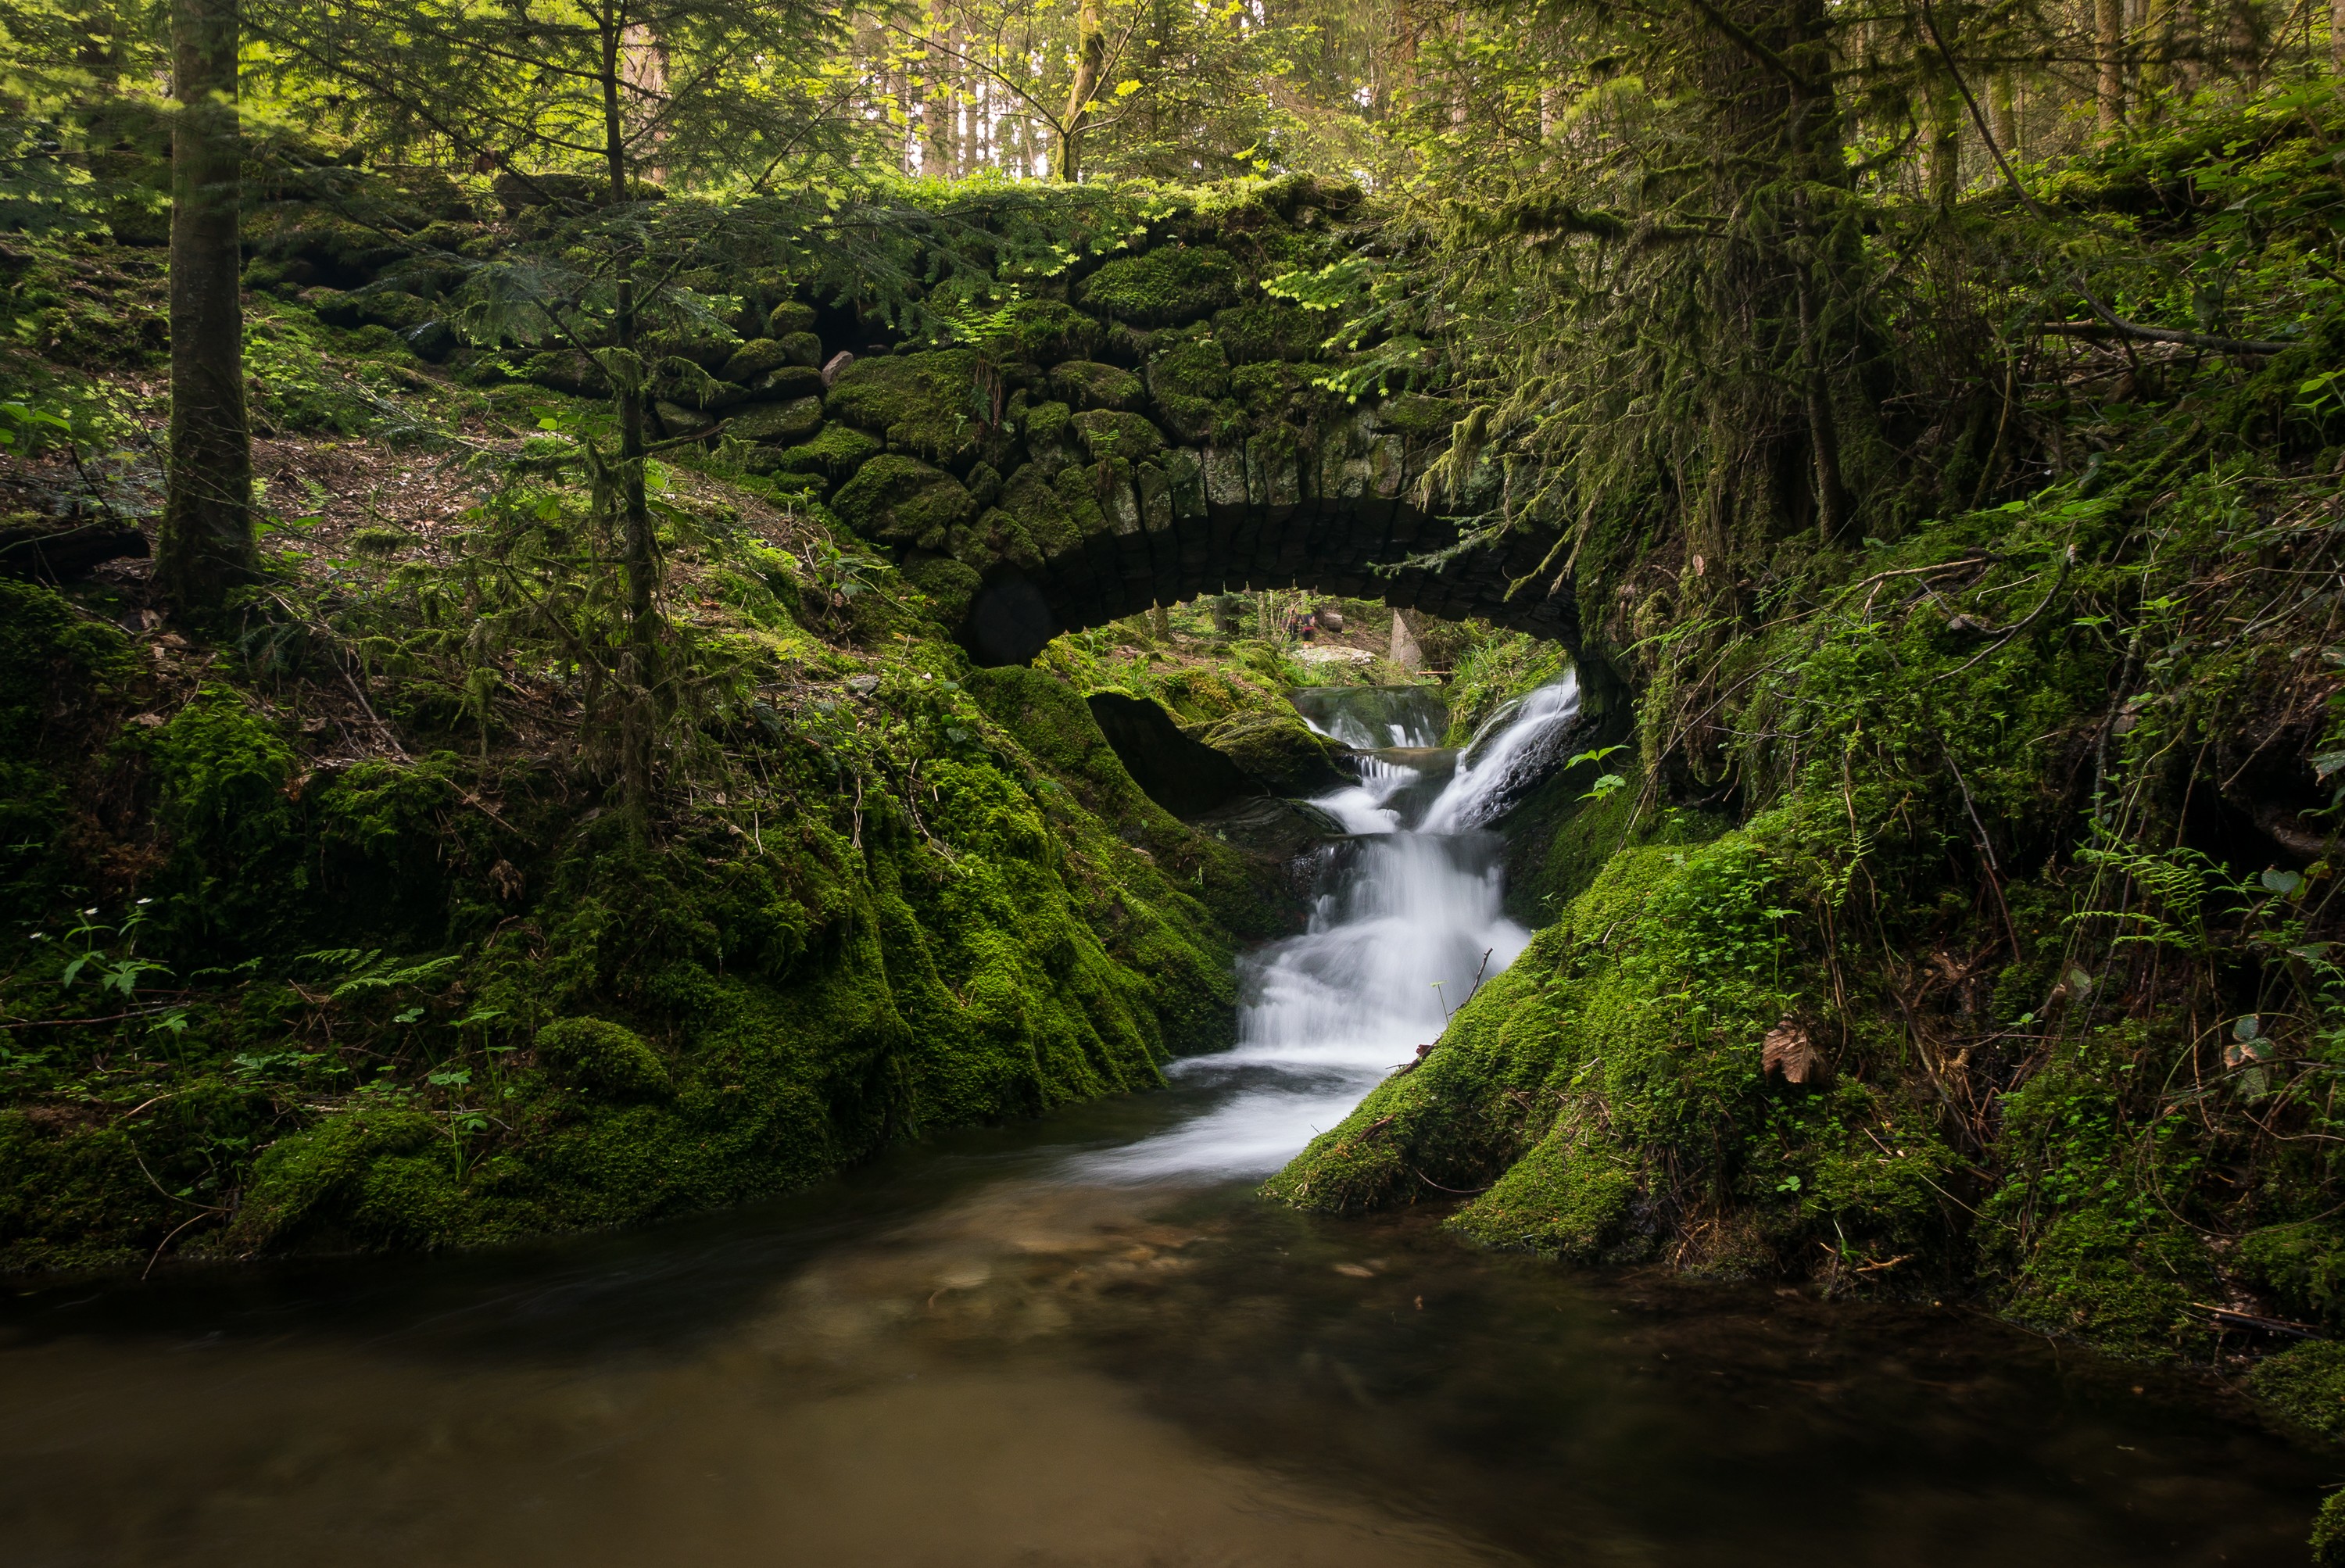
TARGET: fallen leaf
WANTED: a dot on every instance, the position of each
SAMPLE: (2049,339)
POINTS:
(1788,1050)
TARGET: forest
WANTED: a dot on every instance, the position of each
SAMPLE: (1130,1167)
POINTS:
(614,609)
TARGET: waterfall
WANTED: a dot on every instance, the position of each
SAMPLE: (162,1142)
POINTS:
(1408,920)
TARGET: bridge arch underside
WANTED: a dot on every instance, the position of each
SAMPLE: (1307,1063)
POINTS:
(1198,521)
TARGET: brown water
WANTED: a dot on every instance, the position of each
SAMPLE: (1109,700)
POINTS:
(981,1353)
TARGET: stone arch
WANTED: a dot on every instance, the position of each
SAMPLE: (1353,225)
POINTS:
(1149,430)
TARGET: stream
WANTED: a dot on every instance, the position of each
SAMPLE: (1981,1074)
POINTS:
(1082,1341)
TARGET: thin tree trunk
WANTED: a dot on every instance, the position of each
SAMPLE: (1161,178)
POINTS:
(1090,54)
(2004,111)
(638,548)
(2337,36)
(2109,44)
(206,546)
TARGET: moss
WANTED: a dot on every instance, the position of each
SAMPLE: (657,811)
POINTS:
(1105,436)
(1047,332)
(1417,416)
(1274,330)
(317,1180)
(2124,1285)
(1568,1197)
(2327,1539)
(1189,379)
(776,424)
(1168,286)
(1278,749)
(56,668)
(602,1059)
(790,317)
(753,359)
(834,454)
(923,403)
(2299,1267)
(1085,384)
(902,500)
(2306,1384)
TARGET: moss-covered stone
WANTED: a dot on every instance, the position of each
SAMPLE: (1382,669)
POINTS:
(2306,1383)
(1278,750)
(790,317)
(776,424)
(786,383)
(1567,1198)
(1189,381)
(753,359)
(922,404)
(2299,1267)
(834,454)
(602,1059)
(1046,331)
(902,500)
(1086,383)
(1167,286)
(1272,330)
(1106,435)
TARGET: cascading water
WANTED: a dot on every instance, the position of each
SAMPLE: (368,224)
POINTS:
(1406,923)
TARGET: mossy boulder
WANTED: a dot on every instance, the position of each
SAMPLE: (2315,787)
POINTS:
(1189,380)
(2306,1384)
(319,1179)
(1046,331)
(2299,1267)
(2124,1286)
(753,359)
(1169,286)
(601,1059)
(1087,383)
(568,371)
(776,424)
(803,349)
(1272,330)
(788,316)
(1278,750)
(786,383)
(922,404)
(1416,416)
(1568,1197)
(834,454)
(1105,434)
(903,501)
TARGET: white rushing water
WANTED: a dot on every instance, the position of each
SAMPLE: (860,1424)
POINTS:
(1406,920)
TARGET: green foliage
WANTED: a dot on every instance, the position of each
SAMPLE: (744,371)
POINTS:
(1168,286)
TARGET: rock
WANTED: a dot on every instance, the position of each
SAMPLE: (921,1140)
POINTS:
(1279,751)
(902,500)
(776,424)
(1180,773)
(790,317)
(834,367)
(834,454)
(1167,286)
(1105,434)
(1086,383)
(784,384)
(803,348)
(919,401)
(431,341)
(753,359)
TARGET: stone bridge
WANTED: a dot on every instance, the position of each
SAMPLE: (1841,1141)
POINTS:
(1141,431)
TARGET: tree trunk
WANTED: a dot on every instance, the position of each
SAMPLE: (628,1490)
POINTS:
(2003,112)
(2108,45)
(2337,36)
(638,546)
(1090,55)
(206,547)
